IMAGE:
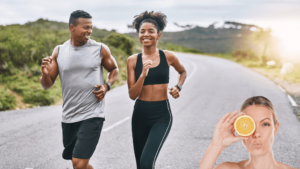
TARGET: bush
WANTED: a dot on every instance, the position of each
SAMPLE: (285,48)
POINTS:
(38,97)
(120,41)
(7,101)
(241,55)
(27,84)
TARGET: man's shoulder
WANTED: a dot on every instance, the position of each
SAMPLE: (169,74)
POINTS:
(66,43)
(94,43)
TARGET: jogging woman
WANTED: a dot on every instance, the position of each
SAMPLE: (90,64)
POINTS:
(148,79)
(259,144)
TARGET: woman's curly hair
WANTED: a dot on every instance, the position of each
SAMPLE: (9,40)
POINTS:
(156,18)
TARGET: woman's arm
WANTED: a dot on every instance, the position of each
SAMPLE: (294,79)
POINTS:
(174,61)
(135,87)
(223,137)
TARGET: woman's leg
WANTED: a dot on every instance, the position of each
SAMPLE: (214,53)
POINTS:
(156,138)
(155,141)
(140,134)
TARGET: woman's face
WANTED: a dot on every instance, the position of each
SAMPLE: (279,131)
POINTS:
(261,141)
(148,34)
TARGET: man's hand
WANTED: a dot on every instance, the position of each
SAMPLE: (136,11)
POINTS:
(101,92)
(174,91)
(46,65)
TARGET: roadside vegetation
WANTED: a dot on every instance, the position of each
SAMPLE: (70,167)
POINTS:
(249,59)
(22,48)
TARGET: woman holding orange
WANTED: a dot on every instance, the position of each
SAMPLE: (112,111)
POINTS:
(259,144)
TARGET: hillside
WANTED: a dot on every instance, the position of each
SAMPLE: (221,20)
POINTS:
(211,39)
(22,48)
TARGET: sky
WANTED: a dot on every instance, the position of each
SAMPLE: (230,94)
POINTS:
(282,16)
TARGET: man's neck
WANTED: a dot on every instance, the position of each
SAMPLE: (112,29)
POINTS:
(76,43)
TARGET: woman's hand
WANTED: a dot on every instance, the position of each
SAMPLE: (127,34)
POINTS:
(224,131)
(174,91)
(146,66)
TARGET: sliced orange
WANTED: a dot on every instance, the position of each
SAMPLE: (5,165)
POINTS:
(244,125)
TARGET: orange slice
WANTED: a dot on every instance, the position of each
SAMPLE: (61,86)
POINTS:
(244,125)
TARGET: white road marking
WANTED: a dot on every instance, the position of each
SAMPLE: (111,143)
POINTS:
(116,124)
(195,68)
(281,88)
(293,103)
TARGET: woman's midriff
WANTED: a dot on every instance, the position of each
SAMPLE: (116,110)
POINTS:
(157,92)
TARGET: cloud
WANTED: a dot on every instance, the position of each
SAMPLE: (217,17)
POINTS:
(116,14)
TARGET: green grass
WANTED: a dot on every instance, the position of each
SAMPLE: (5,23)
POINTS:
(7,101)
(270,72)
(28,85)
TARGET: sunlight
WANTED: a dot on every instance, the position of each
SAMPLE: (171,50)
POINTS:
(291,49)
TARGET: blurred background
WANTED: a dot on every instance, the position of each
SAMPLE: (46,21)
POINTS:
(260,34)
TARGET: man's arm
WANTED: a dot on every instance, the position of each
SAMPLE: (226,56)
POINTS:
(49,69)
(110,64)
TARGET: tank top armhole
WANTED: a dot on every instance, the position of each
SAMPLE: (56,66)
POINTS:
(163,55)
(57,52)
(100,49)
(138,58)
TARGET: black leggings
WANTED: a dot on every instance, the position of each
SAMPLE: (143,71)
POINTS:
(151,124)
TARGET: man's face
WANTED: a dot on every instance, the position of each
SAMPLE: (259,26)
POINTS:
(83,30)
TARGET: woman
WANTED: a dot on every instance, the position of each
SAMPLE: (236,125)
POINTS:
(148,78)
(259,144)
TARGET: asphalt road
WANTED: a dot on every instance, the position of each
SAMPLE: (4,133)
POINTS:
(32,138)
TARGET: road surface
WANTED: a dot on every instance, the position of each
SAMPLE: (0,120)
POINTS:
(32,138)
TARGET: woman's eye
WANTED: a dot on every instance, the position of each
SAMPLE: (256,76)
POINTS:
(266,124)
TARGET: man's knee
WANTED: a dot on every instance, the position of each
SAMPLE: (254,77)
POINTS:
(80,163)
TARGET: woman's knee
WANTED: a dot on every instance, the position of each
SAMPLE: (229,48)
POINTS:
(146,163)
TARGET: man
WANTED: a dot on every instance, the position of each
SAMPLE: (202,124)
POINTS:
(79,64)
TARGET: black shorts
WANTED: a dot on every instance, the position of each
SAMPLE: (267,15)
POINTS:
(80,139)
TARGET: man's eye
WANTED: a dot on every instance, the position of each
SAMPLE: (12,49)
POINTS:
(266,124)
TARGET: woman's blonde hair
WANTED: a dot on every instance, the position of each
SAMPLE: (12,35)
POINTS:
(260,101)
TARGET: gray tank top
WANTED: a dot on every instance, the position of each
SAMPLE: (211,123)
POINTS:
(79,71)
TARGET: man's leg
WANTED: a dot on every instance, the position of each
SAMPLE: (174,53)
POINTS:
(86,143)
(81,163)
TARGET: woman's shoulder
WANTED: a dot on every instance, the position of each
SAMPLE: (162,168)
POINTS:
(231,165)
(284,166)
(132,58)
(169,53)
(171,57)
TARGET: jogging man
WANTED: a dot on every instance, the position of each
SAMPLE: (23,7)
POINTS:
(79,64)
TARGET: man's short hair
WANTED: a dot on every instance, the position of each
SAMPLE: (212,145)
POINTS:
(78,14)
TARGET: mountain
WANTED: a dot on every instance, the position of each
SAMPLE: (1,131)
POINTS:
(211,39)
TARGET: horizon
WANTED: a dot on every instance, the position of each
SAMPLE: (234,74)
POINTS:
(281,16)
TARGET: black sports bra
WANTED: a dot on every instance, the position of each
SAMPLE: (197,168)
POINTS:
(156,75)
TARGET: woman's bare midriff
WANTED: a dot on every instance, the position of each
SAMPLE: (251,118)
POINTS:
(157,92)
